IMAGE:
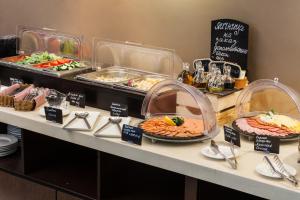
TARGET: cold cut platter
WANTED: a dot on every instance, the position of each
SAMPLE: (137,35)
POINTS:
(271,124)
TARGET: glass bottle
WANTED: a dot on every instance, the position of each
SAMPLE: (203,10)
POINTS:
(229,82)
(216,82)
(185,76)
(199,80)
(198,66)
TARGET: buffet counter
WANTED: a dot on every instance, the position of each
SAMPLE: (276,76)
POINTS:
(184,159)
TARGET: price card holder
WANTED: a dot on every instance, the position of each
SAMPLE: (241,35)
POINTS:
(54,115)
(13,80)
(76,99)
(231,135)
(266,144)
(119,110)
(132,134)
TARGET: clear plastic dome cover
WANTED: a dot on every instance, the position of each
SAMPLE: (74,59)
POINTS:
(32,40)
(263,96)
(108,53)
(173,98)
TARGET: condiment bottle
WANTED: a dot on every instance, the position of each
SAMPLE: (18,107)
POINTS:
(199,80)
(229,82)
(198,65)
(185,76)
(216,82)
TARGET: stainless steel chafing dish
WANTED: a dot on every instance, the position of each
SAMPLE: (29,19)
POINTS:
(109,76)
(124,63)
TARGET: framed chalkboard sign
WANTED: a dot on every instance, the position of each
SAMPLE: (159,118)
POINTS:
(229,41)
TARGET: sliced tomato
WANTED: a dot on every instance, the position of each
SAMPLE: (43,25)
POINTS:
(37,65)
(54,63)
(63,60)
(43,65)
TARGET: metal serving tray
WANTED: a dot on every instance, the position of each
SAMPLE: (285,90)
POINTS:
(121,76)
(143,77)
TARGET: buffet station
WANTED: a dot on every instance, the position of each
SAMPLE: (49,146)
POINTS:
(131,118)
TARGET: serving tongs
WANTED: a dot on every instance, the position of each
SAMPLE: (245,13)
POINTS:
(283,170)
(79,116)
(111,120)
(216,150)
(234,156)
(280,171)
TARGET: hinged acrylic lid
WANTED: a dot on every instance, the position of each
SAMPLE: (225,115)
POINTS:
(107,53)
(32,40)
(266,95)
(171,97)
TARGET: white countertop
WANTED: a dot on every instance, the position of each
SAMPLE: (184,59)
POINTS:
(185,159)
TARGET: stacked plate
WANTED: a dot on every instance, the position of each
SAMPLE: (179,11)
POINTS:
(15,131)
(3,129)
(8,144)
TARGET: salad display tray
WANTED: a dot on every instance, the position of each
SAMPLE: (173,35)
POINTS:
(45,71)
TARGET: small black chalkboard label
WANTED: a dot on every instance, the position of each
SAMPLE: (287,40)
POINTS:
(229,41)
(132,134)
(54,114)
(232,136)
(120,110)
(15,80)
(76,99)
(266,144)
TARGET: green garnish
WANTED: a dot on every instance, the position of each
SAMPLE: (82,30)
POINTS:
(178,121)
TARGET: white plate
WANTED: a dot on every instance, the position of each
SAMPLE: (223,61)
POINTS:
(111,130)
(265,170)
(7,140)
(6,149)
(8,153)
(208,152)
(79,124)
(64,112)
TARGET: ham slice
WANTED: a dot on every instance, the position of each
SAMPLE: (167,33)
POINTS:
(251,127)
(10,89)
(20,96)
(41,98)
